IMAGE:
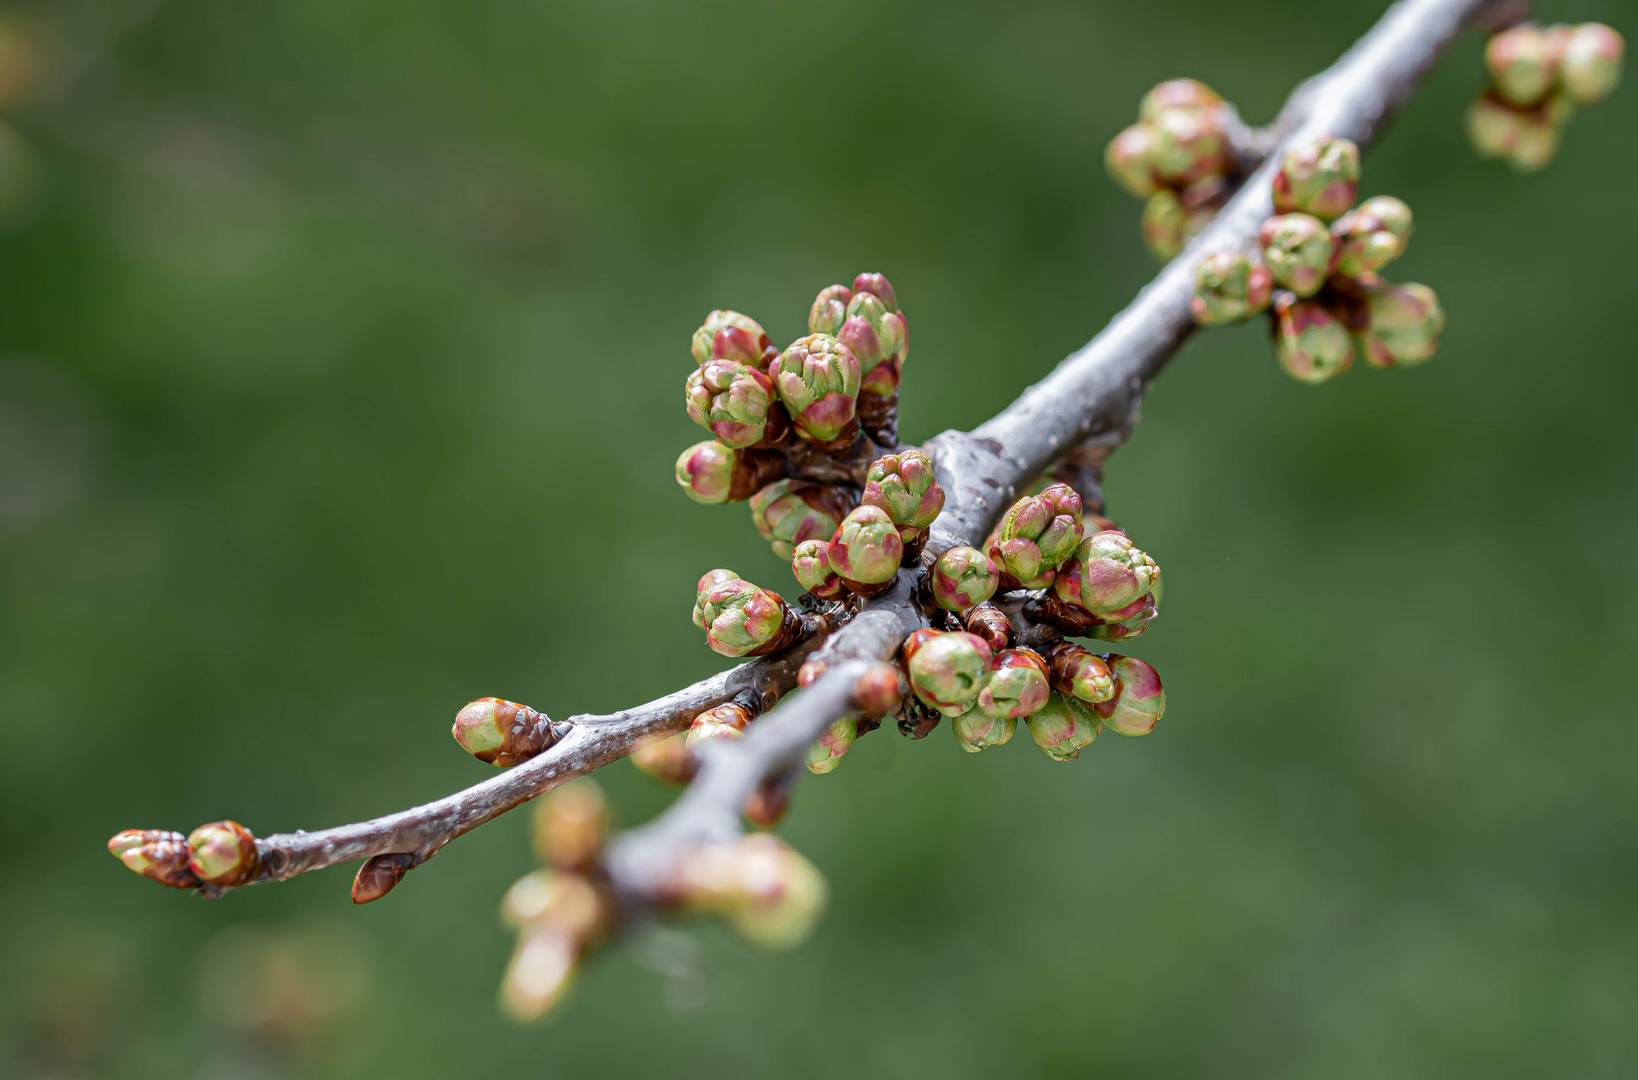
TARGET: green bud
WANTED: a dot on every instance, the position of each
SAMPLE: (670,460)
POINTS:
(818,380)
(811,565)
(948,670)
(1321,179)
(223,853)
(502,733)
(1299,250)
(1405,322)
(1163,224)
(1037,533)
(975,730)
(866,548)
(706,471)
(733,401)
(1140,703)
(1130,160)
(1521,63)
(1080,673)
(789,512)
(873,331)
(1312,344)
(829,310)
(1062,727)
(738,617)
(1230,287)
(1017,685)
(1371,235)
(728,335)
(1589,63)
(708,581)
(157,854)
(1107,574)
(963,577)
(1186,94)
(825,754)
(1188,145)
(902,484)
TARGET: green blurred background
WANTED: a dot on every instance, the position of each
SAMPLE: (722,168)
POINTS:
(342,356)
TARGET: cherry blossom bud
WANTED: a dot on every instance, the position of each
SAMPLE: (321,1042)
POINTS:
(223,853)
(818,380)
(1371,235)
(1163,224)
(769,892)
(1063,726)
(736,403)
(1038,532)
(766,806)
(1300,251)
(380,875)
(1140,703)
(712,473)
(1186,94)
(1229,287)
(542,967)
(874,329)
(902,484)
(1321,179)
(1130,160)
(990,623)
(825,754)
(157,854)
(1522,64)
(961,578)
(571,825)
(741,619)
(1107,574)
(829,310)
(1404,324)
(565,900)
(1079,673)
(1017,685)
(1589,63)
(728,335)
(947,671)
(1130,621)
(502,733)
(1311,343)
(789,512)
(878,691)
(1188,145)
(811,565)
(727,721)
(976,730)
(665,756)
(866,549)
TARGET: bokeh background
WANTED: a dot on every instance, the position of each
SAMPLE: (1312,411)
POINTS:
(341,349)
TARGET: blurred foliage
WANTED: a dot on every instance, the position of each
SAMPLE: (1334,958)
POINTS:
(343,353)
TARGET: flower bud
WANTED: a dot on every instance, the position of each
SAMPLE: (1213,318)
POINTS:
(1188,145)
(564,900)
(1163,224)
(1063,726)
(223,853)
(1229,287)
(878,691)
(947,671)
(818,380)
(1299,250)
(866,548)
(157,854)
(811,565)
(829,310)
(739,618)
(1130,621)
(962,578)
(572,824)
(1521,63)
(789,512)
(1371,235)
(735,402)
(1311,344)
(1130,160)
(711,473)
(665,756)
(380,875)
(874,330)
(1037,533)
(1589,63)
(976,730)
(1140,702)
(1404,324)
(727,721)
(990,623)
(1017,685)
(1107,574)
(902,484)
(765,807)
(768,891)
(538,977)
(825,754)
(1526,139)
(728,335)
(1079,673)
(1187,94)
(502,733)
(1321,179)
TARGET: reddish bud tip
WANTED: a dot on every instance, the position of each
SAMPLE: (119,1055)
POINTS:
(157,854)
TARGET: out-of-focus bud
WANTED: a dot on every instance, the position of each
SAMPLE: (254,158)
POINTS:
(1163,224)
(1188,145)
(1299,250)
(1079,673)
(902,485)
(665,756)
(380,875)
(829,310)
(1189,94)
(567,901)
(1321,179)
(990,623)
(1403,324)
(1589,63)
(502,733)
(542,967)
(1140,702)
(1017,685)
(1311,343)
(1371,235)
(976,730)
(728,335)
(789,512)
(223,853)
(1229,287)
(961,578)
(874,330)
(558,916)
(768,891)
(157,854)
(1526,139)
(572,824)
(727,721)
(736,403)
(811,566)
(879,690)
(741,619)
(866,549)
(825,754)
(818,380)
(1037,533)
(1130,160)
(1130,621)
(1063,726)
(1521,63)
(766,806)
(947,671)
(711,473)
(1107,574)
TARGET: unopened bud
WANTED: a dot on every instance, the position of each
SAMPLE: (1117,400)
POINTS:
(502,733)
(976,730)
(1187,94)
(223,853)
(811,565)
(818,380)
(728,335)
(790,512)
(1321,179)
(1037,533)
(902,485)
(866,549)
(741,619)
(1371,235)
(829,310)
(1130,621)
(947,671)
(665,756)
(1141,701)
(1108,574)
(1589,62)
(1130,160)
(990,623)
(380,875)
(1080,673)
(1188,145)
(157,854)
(712,473)
(572,824)
(874,329)
(736,403)
(1403,324)
(766,806)
(1229,287)
(961,578)
(1311,343)
(565,901)
(1521,63)
(1162,224)
(727,721)
(878,691)
(1063,727)
(826,753)
(768,891)
(1299,250)
(1017,685)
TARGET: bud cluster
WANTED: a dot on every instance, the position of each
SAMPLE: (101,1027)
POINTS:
(1316,272)
(1178,158)
(1538,75)
(222,854)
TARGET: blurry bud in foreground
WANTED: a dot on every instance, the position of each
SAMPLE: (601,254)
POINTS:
(502,733)
(1129,158)
(878,691)
(1299,251)
(1312,345)
(766,806)
(572,824)
(866,549)
(976,730)
(765,889)
(1526,139)
(1063,727)
(566,901)
(665,756)
(223,853)
(1188,145)
(789,512)
(947,671)
(1371,235)
(1321,179)
(1403,325)
(157,854)
(380,875)
(1229,287)
(1017,685)
(727,721)
(902,485)
(542,967)
(1521,63)
(728,335)
(1589,63)
(961,578)
(1187,94)
(837,739)
(818,380)
(810,564)
(1080,673)
(1107,574)
(1162,224)
(1141,701)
